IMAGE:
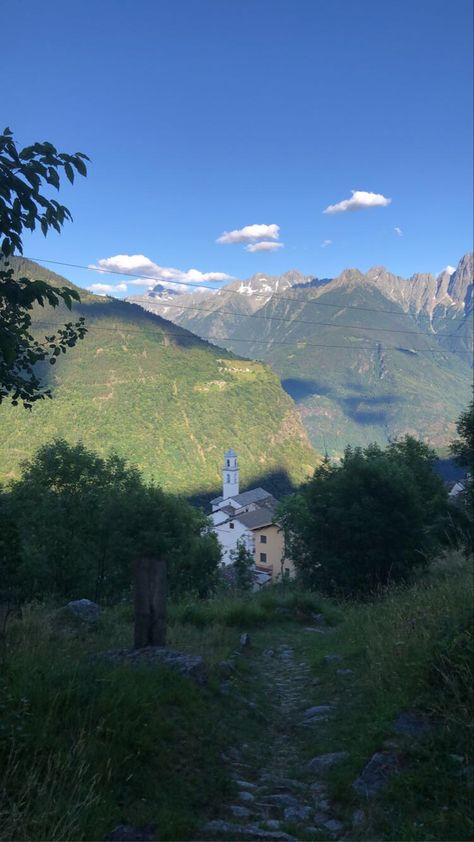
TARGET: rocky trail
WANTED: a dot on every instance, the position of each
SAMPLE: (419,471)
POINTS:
(278,793)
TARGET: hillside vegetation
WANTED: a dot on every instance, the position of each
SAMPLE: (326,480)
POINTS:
(162,398)
(367,357)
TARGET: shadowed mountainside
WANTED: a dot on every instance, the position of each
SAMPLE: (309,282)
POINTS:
(160,396)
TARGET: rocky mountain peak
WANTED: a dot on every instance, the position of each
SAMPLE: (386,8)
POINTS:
(461,282)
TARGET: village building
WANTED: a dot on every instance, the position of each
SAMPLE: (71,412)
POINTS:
(249,518)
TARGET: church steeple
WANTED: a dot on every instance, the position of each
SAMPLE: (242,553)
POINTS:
(230,475)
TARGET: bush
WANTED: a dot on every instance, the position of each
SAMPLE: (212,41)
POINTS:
(81,520)
(374,519)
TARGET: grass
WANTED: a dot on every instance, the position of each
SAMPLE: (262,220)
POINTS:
(411,649)
(84,746)
(280,603)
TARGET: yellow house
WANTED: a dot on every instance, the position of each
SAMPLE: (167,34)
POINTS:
(268,544)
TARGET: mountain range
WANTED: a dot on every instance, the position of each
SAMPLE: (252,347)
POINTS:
(366,356)
(161,397)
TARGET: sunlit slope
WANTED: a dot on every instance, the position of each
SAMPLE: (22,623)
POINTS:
(162,398)
(361,365)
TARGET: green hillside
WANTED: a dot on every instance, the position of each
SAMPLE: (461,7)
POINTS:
(164,399)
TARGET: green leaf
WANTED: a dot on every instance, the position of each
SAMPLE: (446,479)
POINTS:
(69,171)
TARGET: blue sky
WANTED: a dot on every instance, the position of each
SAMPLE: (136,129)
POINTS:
(208,116)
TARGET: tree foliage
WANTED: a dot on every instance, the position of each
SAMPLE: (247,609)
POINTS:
(82,519)
(368,521)
(24,205)
(243,564)
(462,448)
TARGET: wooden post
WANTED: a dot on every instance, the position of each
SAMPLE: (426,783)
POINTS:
(150,591)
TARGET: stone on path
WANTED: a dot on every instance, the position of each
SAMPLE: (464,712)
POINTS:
(297,814)
(280,799)
(226,668)
(272,824)
(318,710)
(282,783)
(239,812)
(411,724)
(246,797)
(332,825)
(313,629)
(358,818)
(325,761)
(345,672)
(245,785)
(333,659)
(381,766)
(219,827)
(132,833)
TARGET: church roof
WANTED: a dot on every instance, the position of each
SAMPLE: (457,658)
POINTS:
(256,519)
(255,495)
(231,452)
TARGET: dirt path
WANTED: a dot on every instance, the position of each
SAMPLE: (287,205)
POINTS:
(276,795)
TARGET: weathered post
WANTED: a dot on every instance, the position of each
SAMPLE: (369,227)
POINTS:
(150,587)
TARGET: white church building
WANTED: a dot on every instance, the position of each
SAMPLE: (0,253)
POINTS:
(246,517)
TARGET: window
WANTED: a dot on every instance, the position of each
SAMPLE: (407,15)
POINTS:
(231,525)
(228,477)
(263,539)
(263,558)
(228,463)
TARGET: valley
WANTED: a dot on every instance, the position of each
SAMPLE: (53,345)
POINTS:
(365,357)
(160,397)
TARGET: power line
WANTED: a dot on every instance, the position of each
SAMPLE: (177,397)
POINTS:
(230,291)
(191,337)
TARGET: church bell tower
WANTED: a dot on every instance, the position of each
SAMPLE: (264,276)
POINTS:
(230,475)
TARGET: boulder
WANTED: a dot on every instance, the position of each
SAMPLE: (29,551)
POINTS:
(325,761)
(374,777)
(84,609)
(191,666)
(245,640)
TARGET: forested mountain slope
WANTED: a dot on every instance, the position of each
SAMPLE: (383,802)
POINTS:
(159,396)
(366,357)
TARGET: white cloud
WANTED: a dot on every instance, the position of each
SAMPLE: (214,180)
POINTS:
(398,231)
(449,269)
(359,200)
(105,289)
(326,243)
(138,264)
(250,233)
(264,246)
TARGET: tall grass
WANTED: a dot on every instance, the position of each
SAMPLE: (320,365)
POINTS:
(410,649)
(85,746)
(280,603)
